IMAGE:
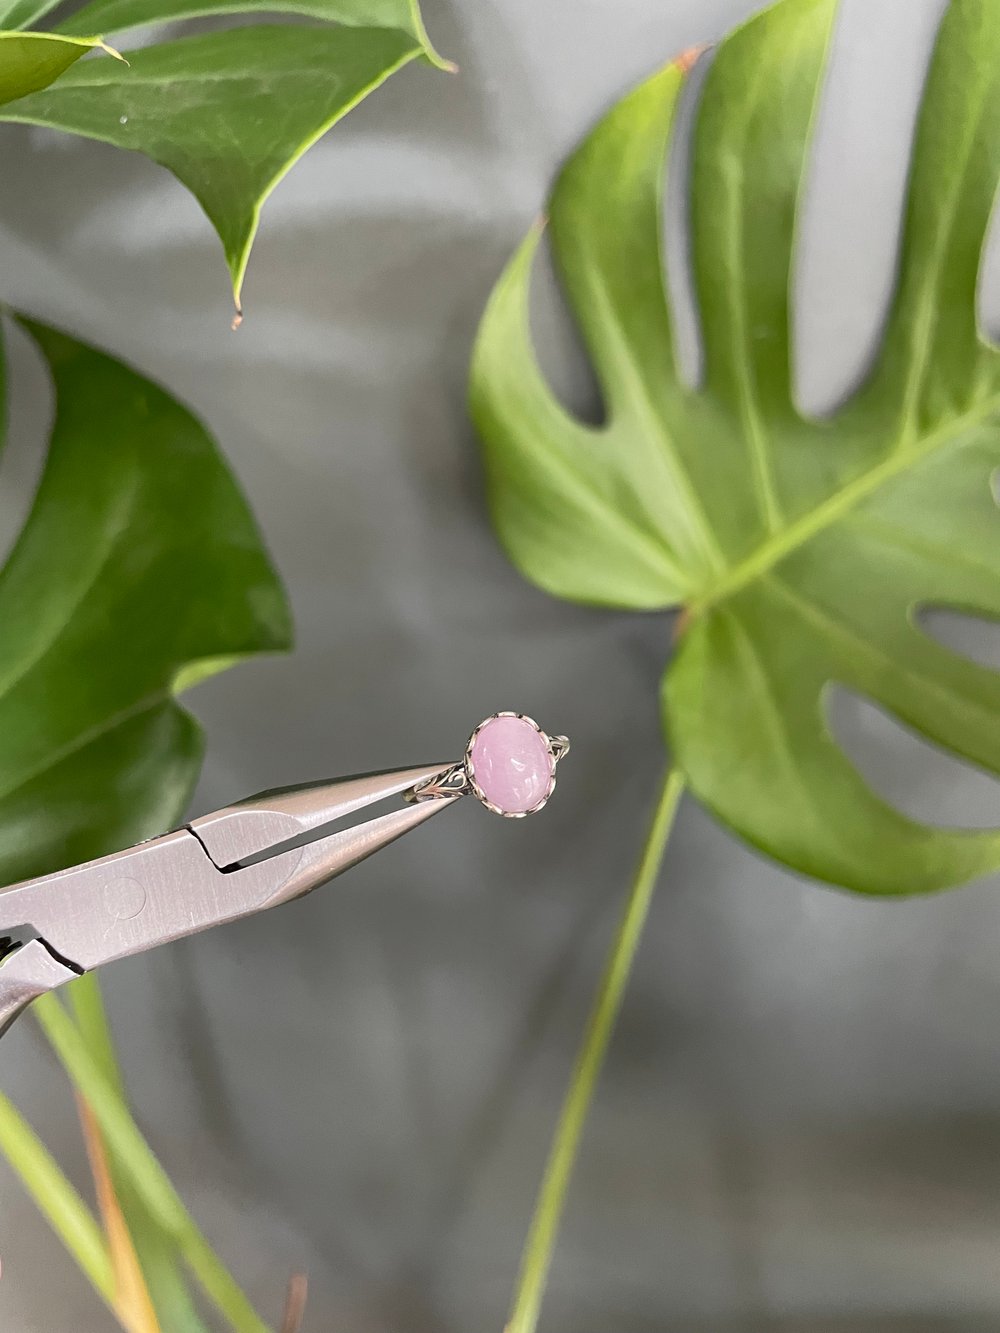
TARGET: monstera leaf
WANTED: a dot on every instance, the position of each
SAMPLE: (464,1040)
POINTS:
(138,569)
(229,113)
(802,550)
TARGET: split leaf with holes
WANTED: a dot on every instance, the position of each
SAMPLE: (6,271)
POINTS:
(229,113)
(802,551)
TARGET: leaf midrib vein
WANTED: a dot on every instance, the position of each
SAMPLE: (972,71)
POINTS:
(640,402)
(827,621)
(115,80)
(115,534)
(96,732)
(933,550)
(771,698)
(118,530)
(655,553)
(832,509)
(753,432)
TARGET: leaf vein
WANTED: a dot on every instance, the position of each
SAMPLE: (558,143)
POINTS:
(837,505)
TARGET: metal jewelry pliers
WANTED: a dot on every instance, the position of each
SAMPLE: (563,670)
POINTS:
(265,850)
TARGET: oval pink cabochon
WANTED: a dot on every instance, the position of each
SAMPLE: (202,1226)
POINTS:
(512,765)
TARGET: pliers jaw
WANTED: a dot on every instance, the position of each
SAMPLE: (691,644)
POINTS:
(269,829)
(238,861)
(242,859)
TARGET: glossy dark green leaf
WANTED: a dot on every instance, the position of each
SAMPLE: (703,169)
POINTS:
(228,113)
(802,550)
(30,61)
(138,558)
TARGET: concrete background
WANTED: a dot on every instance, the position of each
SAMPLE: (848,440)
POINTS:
(800,1125)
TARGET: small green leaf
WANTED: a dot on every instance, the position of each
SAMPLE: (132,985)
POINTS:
(30,61)
(139,556)
(228,113)
(802,550)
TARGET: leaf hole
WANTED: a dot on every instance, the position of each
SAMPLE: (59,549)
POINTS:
(920,779)
(988,293)
(559,345)
(675,235)
(850,220)
(974,637)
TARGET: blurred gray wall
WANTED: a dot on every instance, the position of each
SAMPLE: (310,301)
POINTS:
(800,1124)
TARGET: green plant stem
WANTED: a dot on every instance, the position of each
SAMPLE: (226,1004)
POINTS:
(536,1258)
(158,1252)
(57,1200)
(145,1173)
(87,1005)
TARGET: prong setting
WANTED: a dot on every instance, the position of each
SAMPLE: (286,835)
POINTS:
(555,748)
(462,778)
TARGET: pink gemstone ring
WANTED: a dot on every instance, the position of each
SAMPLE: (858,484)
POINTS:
(509,765)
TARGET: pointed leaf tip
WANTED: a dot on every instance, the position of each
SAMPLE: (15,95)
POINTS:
(110,50)
(32,61)
(687,60)
(241,106)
